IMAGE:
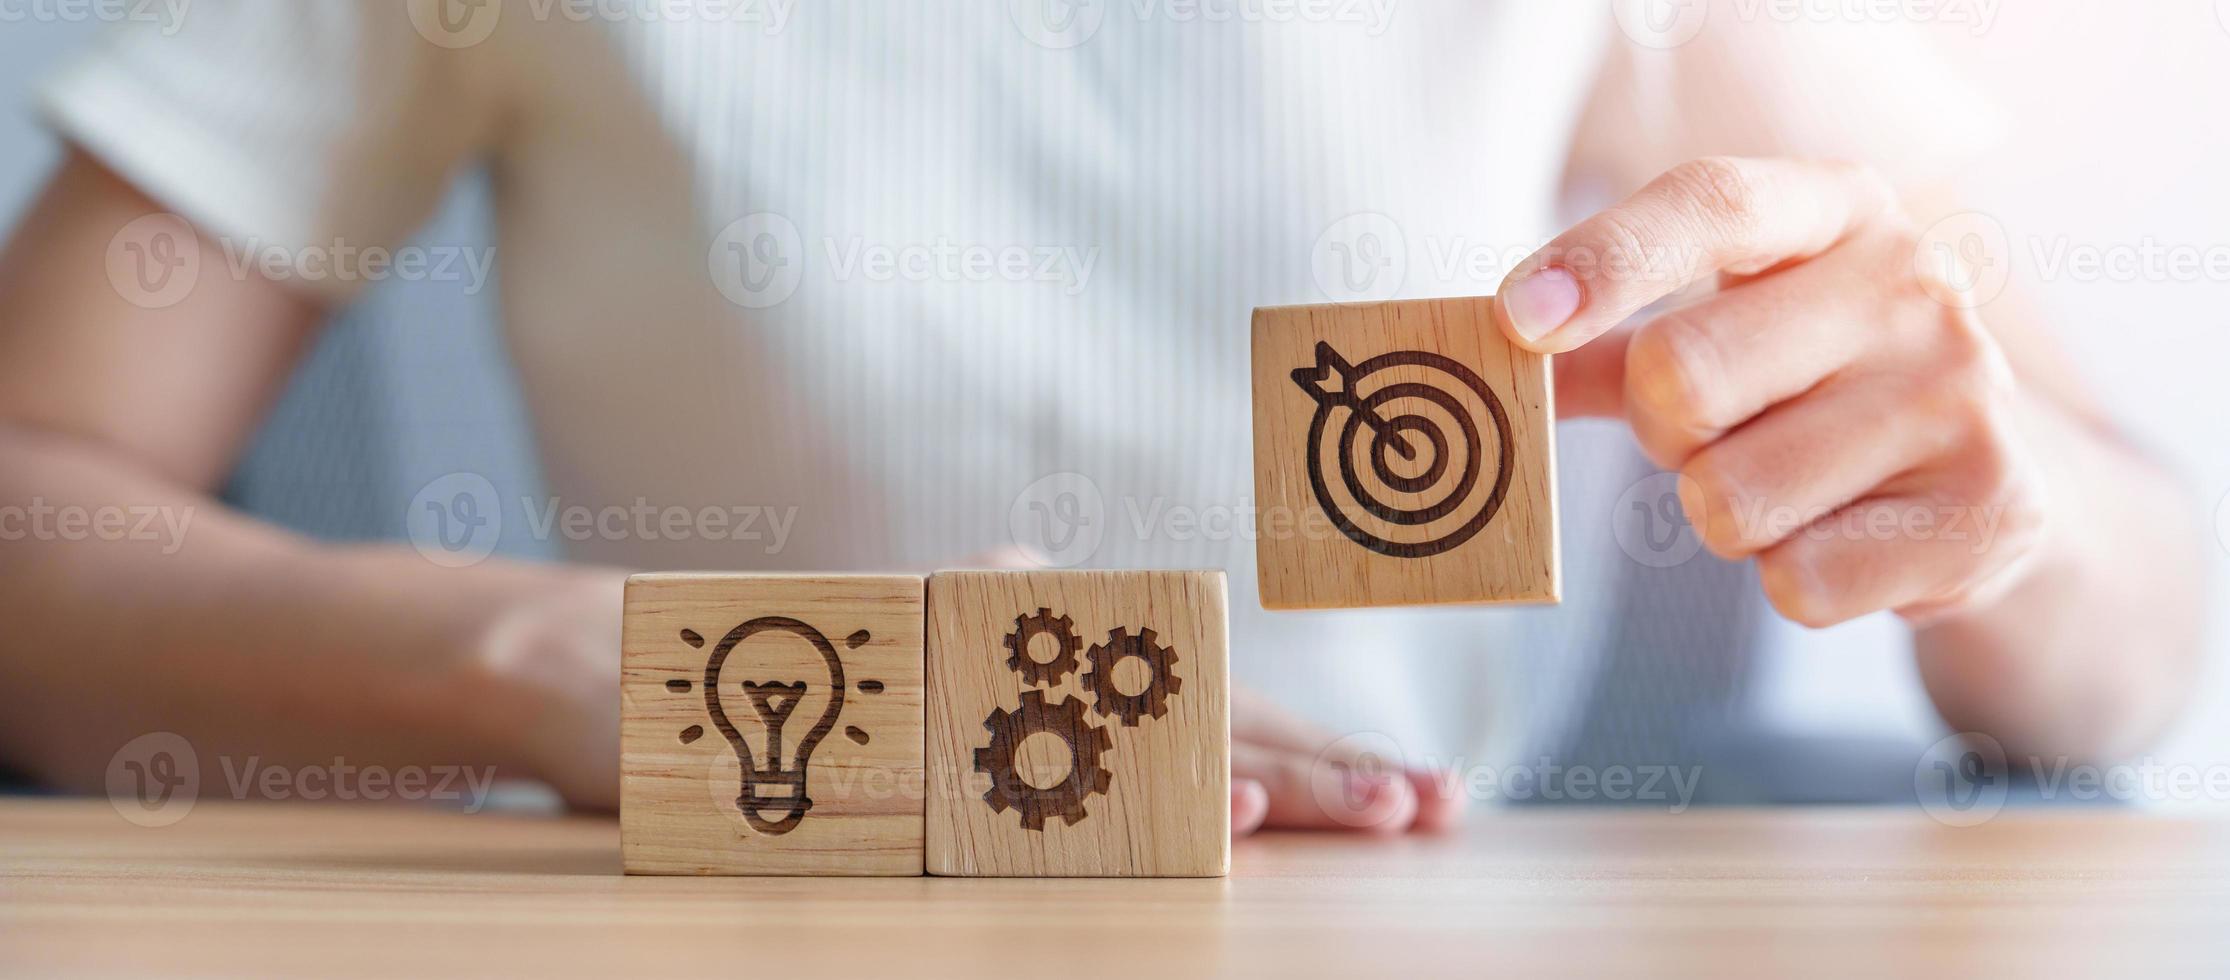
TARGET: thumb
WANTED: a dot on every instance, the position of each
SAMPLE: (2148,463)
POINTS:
(1591,378)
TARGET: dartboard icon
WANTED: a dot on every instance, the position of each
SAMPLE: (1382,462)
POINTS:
(1409,452)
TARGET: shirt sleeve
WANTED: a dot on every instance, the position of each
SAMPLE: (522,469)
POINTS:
(295,125)
(1875,93)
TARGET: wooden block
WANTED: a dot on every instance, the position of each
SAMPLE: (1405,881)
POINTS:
(816,681)
(1404,454)
(1079,724)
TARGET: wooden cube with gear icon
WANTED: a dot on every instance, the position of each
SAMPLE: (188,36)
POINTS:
(1078,724)
(772,725)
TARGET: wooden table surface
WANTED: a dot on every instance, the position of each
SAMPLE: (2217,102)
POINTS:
(243,889)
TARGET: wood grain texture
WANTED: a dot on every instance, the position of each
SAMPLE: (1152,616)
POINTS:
(767,644)
(1163,807)
(1405,454)
(370,891)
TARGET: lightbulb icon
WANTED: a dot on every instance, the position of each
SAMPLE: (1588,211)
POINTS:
(769,687)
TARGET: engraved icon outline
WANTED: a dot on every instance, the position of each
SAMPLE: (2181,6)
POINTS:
(778,786)
(1426,410)
(1069,720)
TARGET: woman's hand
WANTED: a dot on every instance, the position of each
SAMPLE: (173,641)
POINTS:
(557,655)
(1838,411)
(1835,410)
(1287,775)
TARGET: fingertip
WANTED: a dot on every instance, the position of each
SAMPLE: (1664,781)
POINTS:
(1401,814)
(1384,804)
(1440,804)
(1250,806)
(1535,306)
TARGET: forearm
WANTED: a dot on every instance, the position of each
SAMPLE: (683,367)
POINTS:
(2089,655)
(248,641)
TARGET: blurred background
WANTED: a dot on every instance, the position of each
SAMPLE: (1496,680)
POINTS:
(2116,147)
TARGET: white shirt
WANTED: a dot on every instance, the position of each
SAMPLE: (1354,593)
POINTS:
(887,267)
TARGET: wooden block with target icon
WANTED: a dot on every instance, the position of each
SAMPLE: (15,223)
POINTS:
(1078,724)
(772,725)
(1404,455)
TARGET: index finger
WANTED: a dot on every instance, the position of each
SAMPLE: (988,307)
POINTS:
(1718,214)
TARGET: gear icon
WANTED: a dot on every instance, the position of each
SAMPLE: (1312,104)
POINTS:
(1034,671)
(1162,681)
(1065,799)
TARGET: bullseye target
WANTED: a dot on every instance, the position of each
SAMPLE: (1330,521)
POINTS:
(1409,453)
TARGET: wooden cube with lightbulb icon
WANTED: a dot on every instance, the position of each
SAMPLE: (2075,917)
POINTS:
(772,725)
(1078,724)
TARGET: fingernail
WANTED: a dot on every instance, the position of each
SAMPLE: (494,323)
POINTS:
(1541,302)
